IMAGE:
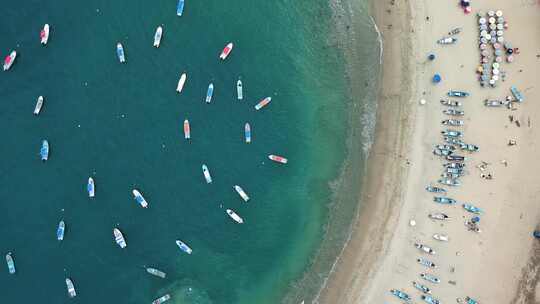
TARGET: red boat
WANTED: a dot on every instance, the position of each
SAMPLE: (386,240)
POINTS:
(8,61)
(278,159)
(187,132)
(226,51)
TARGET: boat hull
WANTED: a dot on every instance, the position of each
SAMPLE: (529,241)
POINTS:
(60,231)
(226,51)
(120,53)
(247,133)
(209,93)
(278,159)
(157,36)
(239,90)
(181,83)
(39,105)
(263,103)
(180,8)
(91,188)
(119,238)
(44,34)
(9,60)
(187,130)
(185,248)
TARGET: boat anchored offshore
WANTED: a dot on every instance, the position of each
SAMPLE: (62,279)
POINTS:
(162,299)
(60,230)
(44,151)
(39,105)
(241,192)
(9,60)
(226,51)
(235,216)
(180,8)
(209,93)
(278,159)
(139,198)
(185,248)
(91,187)
(10,263)
(44,34)
(119,238)
(247,133)
(206,174)
(263,103)
(187,131)
(70,288)
(239,91)
(157,36)
(156,272)
(120,52)
(181,83)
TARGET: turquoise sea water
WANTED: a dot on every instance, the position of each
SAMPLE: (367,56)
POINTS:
(122,125)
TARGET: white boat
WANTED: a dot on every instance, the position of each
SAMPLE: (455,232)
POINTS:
(156,272)
(157,36)
(139,198)
(278,159)
(44,151)
(162,299)
(181,83)
(241,192)
(247,133)
(60,230)
(119,238)
(44,34)
(187,130)
(239,91)
(209,93)
(10,263)
(70,288)
(206,173)
(263,103)
(226,51)
(185,248)
(9,60)
(39,105)
(235,216)
(120,52)
(91,187)
(441,237)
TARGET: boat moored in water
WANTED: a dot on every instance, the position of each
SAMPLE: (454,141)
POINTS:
(247,133)
(44,34)
(119,238)
(39,105)
(235,216)
(157,36)
(239,92)
(156,272)
(180,8)
(209,93)
(162,299)
(187,130)
(226,51)
(60,230)
(91,187)
(181,83)
(70,288)
(9,60)
(10,263)
(185,248)
(139,198)
(241,192)
(278,159)
(120,52)
(44,151)
(263,103)
(206,174)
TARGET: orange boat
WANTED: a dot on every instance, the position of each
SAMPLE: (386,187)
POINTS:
(263,103)
(278,159)
(187,132)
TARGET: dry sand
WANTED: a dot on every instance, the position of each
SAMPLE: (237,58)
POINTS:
(498,265)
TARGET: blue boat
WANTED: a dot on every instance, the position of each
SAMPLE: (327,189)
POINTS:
(472,209)
(209,93)
(185,248)
(247,133)
(120,52)
(180,8)
(10,263)
(60,230)
(517,94)
(44,151)
(457,94)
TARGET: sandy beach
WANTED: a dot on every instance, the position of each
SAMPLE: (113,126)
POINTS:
(501,264)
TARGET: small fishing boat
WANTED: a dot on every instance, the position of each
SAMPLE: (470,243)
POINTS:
(60,230)
(139,198)
(425,262)
(239,91)
(401,295)
(180,8)
(156,272)
(181,83)
(434,189)
(91,187)
(424,248)
(44,151)
(421,287)
(70,288)
(39,105)
(185,248)
(444,200)
(226,51)
(447,40)
(278,159)
(9,60)
(438,216)
(164,298)
(517,94)
(206,174)
(157,36)
(241,192)
(44,34)
(187,130)
(429,299)
(263,103)
(472,209)
(430,278)
(247,133)
(441,237)
(119,238)
(10,263)
(209,93)
(454,31)
(235,216)
(120,52)
(453,93)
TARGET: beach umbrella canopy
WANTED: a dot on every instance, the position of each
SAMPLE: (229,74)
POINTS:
(436,78)
(431,57)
